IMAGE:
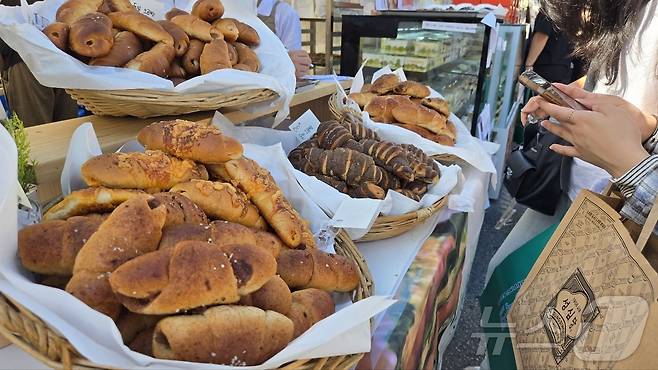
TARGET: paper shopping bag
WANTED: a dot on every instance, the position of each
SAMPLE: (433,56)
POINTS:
(589,300)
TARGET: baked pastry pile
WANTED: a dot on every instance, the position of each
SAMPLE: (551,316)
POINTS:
(114,33)
(354,160)
(407,104)
(190,247)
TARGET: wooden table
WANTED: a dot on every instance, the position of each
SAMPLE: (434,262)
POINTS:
(49,142)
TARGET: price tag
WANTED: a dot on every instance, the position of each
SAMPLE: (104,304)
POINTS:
(152,8)
(450,26)
(305,126)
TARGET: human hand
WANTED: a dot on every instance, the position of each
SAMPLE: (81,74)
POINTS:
(532,108)
(302,62)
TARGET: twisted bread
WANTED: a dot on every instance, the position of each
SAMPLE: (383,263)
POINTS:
(385,84)
(412,88)
(274,295)
(181,40)
(367,190)
(390,156)
(309,306)
(358,130)
(89,200)
(346,164)
(332,135)
(311,268)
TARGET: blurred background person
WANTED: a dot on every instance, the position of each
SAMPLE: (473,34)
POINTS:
(549,53)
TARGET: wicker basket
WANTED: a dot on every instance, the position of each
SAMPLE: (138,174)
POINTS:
(337,112)
(153,103)
(34,336)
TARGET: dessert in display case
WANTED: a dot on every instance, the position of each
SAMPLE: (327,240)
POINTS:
(444,50)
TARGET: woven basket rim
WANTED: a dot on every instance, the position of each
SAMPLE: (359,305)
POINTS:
(35,337)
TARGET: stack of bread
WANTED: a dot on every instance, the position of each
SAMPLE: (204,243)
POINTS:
(190,247)
(114,33)
(354,160)
(407,104)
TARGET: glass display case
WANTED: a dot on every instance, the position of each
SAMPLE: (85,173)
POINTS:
(445,50)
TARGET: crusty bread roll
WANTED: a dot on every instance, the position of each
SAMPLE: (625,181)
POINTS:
(309,306)
(208,10)
(222,201)
(176,70)
(133,229)
(429,135)
(58,33)
(181,39)
(380,109)
(126,47)
(312,268)
(91,35)
(228,28)
(362,99)
(366,88)
(110,6)
(246,34)
(233,54)
(142,26)
(152,170)
(201,142)
(180,209)
(89,200)
(246,58)
(143,342)
(214,56)
(440,105)
(413,89)
(385,84)
(232,335)
(420,116)
(192,274)
(197,28)
(274,296)
(51,247)
(72,10)
(174,12)
(263,191)
(130,324)
(155,61)
(191,58)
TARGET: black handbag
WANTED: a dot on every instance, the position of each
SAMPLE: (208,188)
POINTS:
(535,174)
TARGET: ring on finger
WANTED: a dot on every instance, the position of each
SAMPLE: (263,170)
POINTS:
(571,114)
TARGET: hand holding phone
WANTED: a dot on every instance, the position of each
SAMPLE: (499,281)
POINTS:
(548,91)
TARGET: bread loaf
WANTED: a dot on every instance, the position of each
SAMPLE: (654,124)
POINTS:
(263,191)
(429,135)
(246,34)
(131,324)
(357,129)
(228,28)
(91,35)
(208,10)
(176,70)
(274,296)
(390,156)
(118,6)
(413,89)
(332,135)
(119,239)
(385,84)
(181,40)
(58,33)
(380,109)
(189,140)
(233,54)
(191,58)
(367,190)
(309,306)
(231,335)
(362,99)
(72,10)
(346,164)
(438,104)
(197,28)
(155,61)
(180,209)
(152,170)
(222,201)
(214,56)
(142,26)
(174,12)
(89,200)
(420,116)
(126,47)
(247,58)
(51,247)
(311,268)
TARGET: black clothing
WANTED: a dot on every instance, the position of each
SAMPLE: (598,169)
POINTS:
(554,62)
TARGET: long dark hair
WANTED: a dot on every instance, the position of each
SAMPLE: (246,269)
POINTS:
(599,29)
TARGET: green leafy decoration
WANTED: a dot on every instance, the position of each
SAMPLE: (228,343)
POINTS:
(27,176)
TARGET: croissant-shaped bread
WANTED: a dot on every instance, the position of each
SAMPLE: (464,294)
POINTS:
(197,28)
(174,12)
(208,10)
(181,39)
(155,61)
(222,201)
(231,335)
(176,70)
(126,47)
(274,296)
(423,157)
(191,59)
(440,105)
(58,33)
(413,89)
(380,108)
(311,268)
(150,170)
(358,130)
(227,28)
(309,306)
(346,164)
(91,35)
(367,190)
(233,54)
(421,116)
(385,84)
(142,26)
(180,209)
(362,99)
(246,34)
(72,10)
(214,56)
(247,58)
(89,200)
(390,156)
(332,135)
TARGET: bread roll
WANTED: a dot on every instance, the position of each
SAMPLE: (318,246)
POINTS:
(274,296)
(181,40)
(192,274)
(174,12)
(180,209)
(247,57)
(191,58)
(263,191)
(152,170)
(72,10)
(366,88)
(51,247)
(131,324)
(91,35)
(143,342)
(222,201)
(89,200)
(380,109)
(142,26)
(126,47)
(231,335)
(440,105)
(110,6)
(413,89)
(200,142)
(133,229)
(58,33)
(233,54)
(246,34)
(429,135)
(197,28)
(420,116)
(309,306)
(311,268)
(362,99)
(155,61)
(385,84)
(214,57)
(176,70)
(228,28)
(208,10)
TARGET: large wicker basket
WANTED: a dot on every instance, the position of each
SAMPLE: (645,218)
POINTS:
(35,337)
(153,103)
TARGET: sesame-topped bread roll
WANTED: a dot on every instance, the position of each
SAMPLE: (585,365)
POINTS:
(152,171)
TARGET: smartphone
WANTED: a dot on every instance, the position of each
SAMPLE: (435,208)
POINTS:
(548,91)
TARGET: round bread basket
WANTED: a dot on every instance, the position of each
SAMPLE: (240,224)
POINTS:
(35,337)
(153,103)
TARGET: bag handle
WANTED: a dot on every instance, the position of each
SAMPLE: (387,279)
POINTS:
(647,229)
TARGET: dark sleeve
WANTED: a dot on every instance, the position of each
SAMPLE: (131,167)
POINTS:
(543,25)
